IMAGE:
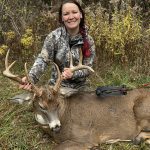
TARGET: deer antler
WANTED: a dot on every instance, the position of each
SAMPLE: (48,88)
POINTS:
(59,79)
(7,72)
(16,78)
(73,68)
(34,88)
(79,66)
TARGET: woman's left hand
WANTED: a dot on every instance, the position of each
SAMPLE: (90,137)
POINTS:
(67,73)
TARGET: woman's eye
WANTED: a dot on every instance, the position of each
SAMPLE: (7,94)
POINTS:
(74,12)
(65,14)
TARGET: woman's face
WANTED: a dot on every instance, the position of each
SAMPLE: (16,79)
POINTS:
(71,16)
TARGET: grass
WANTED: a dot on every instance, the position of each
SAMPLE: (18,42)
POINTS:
(20,131)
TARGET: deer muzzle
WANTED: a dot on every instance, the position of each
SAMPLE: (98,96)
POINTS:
(55,126)
(51,120)
(54,122)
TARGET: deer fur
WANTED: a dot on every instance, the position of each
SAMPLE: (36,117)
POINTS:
(87,120)
(83,120)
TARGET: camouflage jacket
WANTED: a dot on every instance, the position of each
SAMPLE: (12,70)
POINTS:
(55,49)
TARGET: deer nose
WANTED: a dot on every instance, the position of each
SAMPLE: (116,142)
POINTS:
(56,128)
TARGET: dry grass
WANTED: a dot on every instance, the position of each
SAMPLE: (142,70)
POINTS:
(20,131)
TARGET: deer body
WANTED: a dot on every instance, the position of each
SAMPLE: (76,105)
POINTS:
(83,119)
(88,119)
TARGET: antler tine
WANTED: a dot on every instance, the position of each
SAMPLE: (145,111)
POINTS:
(7,72)
(34,88)
(79,66)
(71,61)
(59,78)
(80,57)
(6,61)
(26,72)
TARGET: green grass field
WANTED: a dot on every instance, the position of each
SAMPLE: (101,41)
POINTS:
(20,131)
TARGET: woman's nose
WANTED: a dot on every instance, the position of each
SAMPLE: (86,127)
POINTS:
(71,16)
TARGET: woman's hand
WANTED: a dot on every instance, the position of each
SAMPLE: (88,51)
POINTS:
(67,73)
(26,85)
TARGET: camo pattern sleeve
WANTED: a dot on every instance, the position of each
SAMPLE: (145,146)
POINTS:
(56,49)
(43,59)
(86,61)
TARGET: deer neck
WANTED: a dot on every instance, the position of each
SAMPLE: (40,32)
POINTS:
(63,106)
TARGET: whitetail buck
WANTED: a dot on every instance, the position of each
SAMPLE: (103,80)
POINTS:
(84,119)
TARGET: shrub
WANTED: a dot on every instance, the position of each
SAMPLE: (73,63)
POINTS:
(118,35)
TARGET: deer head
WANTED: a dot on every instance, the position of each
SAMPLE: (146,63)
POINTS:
(45,101)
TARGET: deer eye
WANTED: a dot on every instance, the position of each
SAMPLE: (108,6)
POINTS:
(41,106)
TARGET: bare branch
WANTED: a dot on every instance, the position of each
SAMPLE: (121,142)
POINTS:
(14,24)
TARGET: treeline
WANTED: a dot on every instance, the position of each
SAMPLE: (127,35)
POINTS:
(120,28)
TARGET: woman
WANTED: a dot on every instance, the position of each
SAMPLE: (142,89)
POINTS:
(71,36)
